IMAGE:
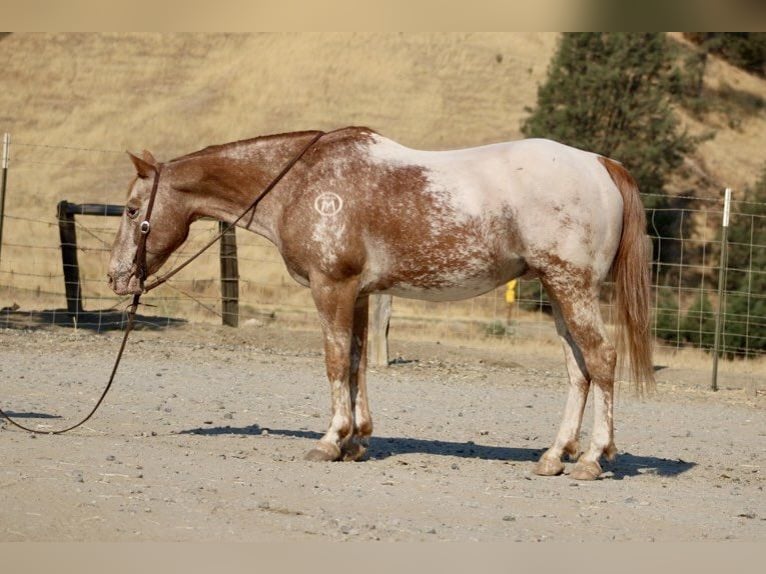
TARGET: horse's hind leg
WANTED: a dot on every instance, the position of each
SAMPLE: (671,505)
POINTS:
(356,446)
(567,439)
(578,303)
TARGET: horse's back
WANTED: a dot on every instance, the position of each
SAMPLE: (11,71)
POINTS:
(515,173)
(551,197)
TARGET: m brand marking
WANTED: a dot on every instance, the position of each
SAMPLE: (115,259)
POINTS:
(328,203)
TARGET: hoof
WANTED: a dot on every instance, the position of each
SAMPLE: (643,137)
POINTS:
(586,470)
(549,467)
(354,450)
(323,452)
(573,451)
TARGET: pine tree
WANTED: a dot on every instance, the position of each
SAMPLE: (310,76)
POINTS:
(746,50)
(610,93)
(698,326)
(667,318)
(744,331)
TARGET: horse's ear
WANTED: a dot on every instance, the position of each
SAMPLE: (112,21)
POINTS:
(149,158)
(144,168)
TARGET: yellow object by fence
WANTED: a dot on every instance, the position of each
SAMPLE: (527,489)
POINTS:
(510,292)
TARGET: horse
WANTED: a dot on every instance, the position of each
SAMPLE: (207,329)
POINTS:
(356,213)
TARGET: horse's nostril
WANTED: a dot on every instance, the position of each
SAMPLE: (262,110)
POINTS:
(110,279)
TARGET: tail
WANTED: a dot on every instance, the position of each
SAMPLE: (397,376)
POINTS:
(631,273)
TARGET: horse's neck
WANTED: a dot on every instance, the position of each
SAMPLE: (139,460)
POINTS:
(228,178)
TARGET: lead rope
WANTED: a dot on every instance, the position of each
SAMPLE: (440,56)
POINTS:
(128,329)
(140,263)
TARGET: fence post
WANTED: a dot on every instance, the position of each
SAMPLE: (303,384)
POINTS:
(68,236)
(721,285)
(3,183)
(229,277)
(380,318)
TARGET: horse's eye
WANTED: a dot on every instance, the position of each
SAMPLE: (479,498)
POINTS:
(131,212)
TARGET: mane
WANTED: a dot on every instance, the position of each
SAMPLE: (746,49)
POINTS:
(214,149)
(218,148)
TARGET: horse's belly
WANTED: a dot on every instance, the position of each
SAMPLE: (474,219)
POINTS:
(451,293)
(446,288)
(461,280)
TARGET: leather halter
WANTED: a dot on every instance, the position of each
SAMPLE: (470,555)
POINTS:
(144,229)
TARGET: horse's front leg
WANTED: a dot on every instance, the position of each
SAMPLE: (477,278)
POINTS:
(335,303)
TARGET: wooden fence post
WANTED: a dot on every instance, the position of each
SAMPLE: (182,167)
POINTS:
(380,317)
(229,277)
(68,236)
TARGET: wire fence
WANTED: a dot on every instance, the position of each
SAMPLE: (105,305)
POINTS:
(686,269)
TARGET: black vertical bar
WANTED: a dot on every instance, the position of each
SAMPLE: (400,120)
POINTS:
(3,184)
(229,276)
(68,237)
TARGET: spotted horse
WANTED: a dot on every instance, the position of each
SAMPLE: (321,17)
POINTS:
(357,213)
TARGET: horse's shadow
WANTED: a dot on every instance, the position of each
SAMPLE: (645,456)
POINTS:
(625,465)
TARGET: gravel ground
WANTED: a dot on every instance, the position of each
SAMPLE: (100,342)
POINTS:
(203,434)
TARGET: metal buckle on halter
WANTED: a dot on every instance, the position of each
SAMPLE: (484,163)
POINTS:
(144,227)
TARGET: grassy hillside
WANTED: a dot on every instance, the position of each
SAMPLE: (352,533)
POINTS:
(180,92)
(89,97)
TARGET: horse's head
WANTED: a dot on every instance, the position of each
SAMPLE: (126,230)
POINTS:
(169,226)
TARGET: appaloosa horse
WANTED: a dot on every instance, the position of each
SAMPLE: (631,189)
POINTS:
(358,213)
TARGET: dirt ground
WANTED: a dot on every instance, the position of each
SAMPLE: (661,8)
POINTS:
(203,436)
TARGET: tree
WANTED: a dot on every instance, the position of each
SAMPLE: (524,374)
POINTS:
(698,326)
(744,331)
(610,93)
(746,50)
(667,317)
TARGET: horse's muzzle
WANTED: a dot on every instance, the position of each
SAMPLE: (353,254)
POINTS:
(125,284)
